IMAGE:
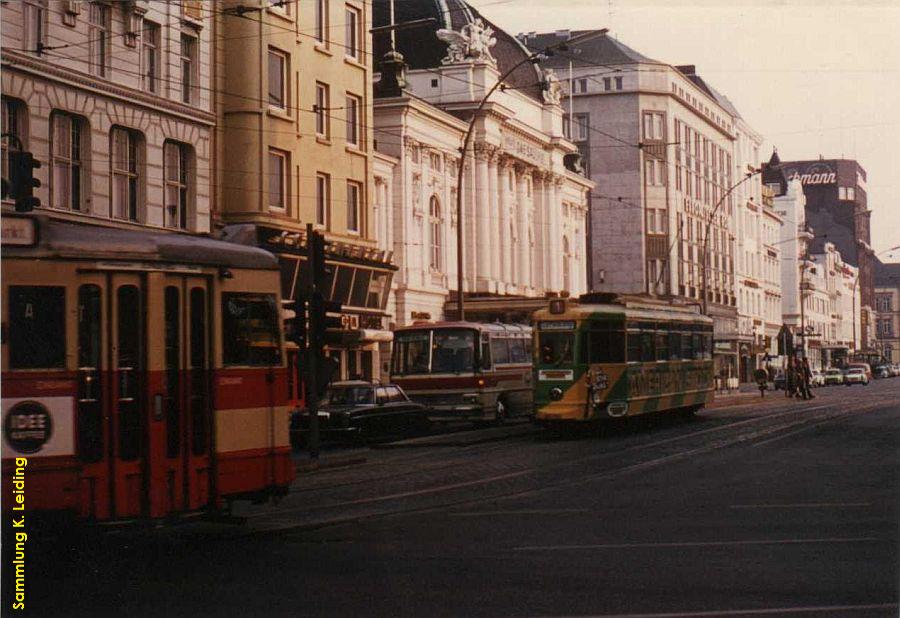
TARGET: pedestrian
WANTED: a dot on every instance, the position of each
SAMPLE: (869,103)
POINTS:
(790,382)
(806,379)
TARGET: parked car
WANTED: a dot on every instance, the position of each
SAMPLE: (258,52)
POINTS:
(833,376)
(881,371)
(895,369)
(867,369)
(818,378)
(856,375)
(358,410)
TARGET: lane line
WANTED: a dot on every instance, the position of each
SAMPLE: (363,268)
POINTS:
(518,512)
(802,505)
(862,539)
(803,609)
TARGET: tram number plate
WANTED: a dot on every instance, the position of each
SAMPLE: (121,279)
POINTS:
(545,375)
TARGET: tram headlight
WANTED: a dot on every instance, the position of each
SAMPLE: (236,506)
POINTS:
(556,393)
(596,398)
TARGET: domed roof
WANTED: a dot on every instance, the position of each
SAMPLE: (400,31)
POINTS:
(423,50)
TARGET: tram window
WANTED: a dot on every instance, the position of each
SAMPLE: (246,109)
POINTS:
(648,346)
(674,345)
(173,355)
(662,345)
(130,323)
(605,344)
(249,330)
(687,348)
(707,347)
(556,347)
(634,346)
(697,341)
(90,428)
(517,352)
(37,332)
(500,350)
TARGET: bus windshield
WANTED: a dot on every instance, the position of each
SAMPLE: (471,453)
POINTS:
(440,350)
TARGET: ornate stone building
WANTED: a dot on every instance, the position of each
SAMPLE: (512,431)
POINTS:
(114,99)
(524,218)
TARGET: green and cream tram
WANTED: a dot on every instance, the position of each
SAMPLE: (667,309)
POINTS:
(623,357)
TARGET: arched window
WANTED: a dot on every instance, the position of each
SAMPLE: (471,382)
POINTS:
(566,258)
(436,226)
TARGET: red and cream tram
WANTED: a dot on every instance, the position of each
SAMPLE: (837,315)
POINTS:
(143,372)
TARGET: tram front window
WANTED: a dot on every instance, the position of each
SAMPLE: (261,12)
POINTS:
(453,351)
(556,347)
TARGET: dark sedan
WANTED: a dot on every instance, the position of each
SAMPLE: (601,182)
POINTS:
(358,410)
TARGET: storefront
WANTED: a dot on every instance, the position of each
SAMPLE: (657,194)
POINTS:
(359,278)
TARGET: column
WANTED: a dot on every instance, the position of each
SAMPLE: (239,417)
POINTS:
(554,249)
(522,226)
(482,220)
(505,272)
(539,276)
(494,219)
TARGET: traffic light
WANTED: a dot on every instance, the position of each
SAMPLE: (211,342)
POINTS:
(22,182)
(320,323)
(296,323)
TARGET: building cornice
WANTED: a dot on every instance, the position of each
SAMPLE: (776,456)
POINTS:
(12,60)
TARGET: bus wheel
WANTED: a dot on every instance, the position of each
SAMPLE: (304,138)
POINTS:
(500,412)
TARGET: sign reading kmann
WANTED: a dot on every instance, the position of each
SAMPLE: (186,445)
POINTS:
(818,174)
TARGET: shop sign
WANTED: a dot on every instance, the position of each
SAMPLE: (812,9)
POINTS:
(723,346)
(817,174)
(18,231)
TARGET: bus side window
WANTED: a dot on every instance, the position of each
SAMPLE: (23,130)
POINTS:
(517,352)
(500,350)
(485,352)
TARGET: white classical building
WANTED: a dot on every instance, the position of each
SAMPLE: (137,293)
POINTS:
(114,99)
(525,206)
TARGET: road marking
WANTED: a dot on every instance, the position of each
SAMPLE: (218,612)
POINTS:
(518,512)
(862,539)
(802,505)
(805,609)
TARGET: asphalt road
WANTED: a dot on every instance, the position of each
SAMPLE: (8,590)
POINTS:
(773,507)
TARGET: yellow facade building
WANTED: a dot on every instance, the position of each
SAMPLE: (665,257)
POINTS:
(294,146)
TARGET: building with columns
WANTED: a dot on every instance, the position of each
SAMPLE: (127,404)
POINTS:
(114,99)
(525,205)
(659,142)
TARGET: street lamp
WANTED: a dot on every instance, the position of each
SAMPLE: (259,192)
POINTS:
(533,58)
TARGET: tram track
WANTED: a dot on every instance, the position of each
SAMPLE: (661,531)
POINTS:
(514,481)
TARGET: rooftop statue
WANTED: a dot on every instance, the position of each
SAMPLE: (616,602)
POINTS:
(552,87)
(471,44)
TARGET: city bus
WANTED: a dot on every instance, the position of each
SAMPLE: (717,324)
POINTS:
(604,357)
(465,370)
(143,372)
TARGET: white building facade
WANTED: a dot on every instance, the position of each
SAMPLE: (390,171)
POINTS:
(524,211)
(114,99)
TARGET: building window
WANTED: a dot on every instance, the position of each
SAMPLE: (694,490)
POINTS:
(67,147)
(352,22)
(580,86)
(581,128)
(354,190)
(99,37)
(188,67)
(13,127)
(321,20)
(126,166)
(321,109)
(35,20)
(618,83)
(435,158)
(353,116)
(278,79)
(566,257)
(434,218)
(323,199)
(607,83)
(278,179)
(653,126)
(150,46)
(176,160)
(851,193)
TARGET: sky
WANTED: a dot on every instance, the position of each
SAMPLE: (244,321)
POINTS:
(812,76)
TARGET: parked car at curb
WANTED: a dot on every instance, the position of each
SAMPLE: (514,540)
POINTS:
(356,410)
(833,376)
(881,371)
(818,378)
(856,375)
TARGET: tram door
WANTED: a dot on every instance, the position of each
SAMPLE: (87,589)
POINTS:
(143,408)
(184,412)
